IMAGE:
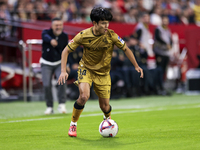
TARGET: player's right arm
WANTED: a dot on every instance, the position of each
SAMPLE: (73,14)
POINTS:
(64,75)
(72,45)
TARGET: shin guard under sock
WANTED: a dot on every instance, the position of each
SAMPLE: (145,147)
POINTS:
(77,110)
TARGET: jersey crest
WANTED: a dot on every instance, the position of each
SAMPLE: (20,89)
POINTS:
(105,40)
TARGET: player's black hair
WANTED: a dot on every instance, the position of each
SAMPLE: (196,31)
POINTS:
(56,19)
(100,13)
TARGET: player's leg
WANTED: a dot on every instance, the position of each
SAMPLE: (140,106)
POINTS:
(84,94)
(84,82)
(105,107)
(102,87)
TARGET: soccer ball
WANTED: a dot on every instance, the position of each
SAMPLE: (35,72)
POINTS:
(108,128)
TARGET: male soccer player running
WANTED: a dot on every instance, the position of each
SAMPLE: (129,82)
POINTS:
(94,67)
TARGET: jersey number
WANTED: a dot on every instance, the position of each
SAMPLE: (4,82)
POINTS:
(83,72)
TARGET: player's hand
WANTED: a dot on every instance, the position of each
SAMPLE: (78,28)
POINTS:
(62,78)
(140,70)
(54,43)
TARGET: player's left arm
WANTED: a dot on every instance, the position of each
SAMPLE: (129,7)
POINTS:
(131,57)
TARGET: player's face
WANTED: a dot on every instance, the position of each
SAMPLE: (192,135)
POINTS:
(102,27)
(57,27)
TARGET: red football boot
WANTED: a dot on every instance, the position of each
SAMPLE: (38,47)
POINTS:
(72,131)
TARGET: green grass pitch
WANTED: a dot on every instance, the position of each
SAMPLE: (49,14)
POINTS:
(146,123)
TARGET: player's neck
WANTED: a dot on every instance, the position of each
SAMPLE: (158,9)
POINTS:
(95,32)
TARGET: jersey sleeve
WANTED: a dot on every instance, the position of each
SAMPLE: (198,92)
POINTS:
(75,42)
(118,41)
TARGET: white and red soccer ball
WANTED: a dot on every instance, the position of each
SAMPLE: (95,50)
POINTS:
(108,128)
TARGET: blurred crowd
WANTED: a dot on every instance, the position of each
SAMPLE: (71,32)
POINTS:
(178,11)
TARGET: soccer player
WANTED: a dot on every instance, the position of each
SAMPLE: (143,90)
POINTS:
(94,67)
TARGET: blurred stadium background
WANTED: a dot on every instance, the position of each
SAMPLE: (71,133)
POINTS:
(22,21)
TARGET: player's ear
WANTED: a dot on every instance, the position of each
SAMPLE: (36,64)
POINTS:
(94,22)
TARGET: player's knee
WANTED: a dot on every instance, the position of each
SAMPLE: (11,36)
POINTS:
(83,98)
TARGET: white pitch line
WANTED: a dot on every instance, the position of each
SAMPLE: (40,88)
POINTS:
(99,114)
(27,120)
